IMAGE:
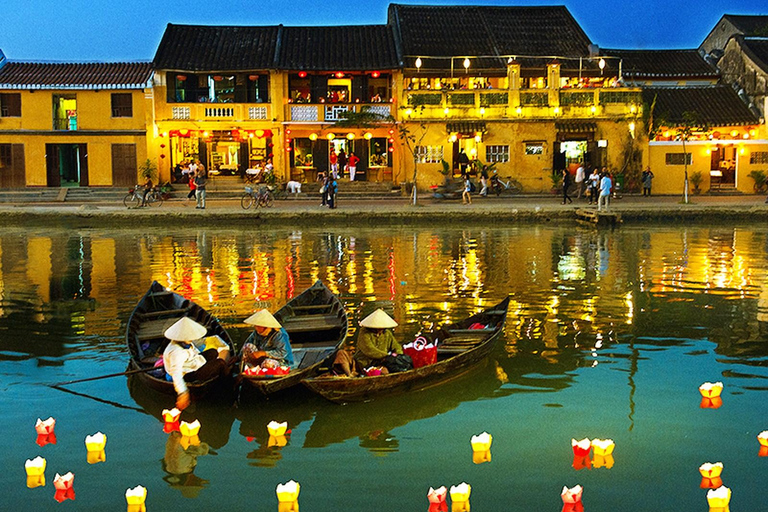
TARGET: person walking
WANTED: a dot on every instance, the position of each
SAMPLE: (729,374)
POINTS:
(605,192)
(647,181)
(466,196)
(191,183)
(331,190)
(352,165)
(580,180)
(484,182)
(566,186)
(201,179)
(342,159)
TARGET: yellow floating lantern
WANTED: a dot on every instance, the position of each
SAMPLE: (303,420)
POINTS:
(171,415)
(189,429)
(479,457)
(710,475)
(277,429)
(35,467)
(711,389)
(481,442)
(94,457)
(45,427)
(603,446)
(288,492)
(461,492)
(136,496)
(95,442)
(277,441)
(719,499)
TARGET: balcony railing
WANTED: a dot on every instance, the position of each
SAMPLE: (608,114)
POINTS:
(313,112)
(215,112)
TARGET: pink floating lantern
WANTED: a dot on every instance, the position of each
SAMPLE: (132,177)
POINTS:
(710,475)
(45,427)
(572,499)
(436,497)
(44,439)
(63,486)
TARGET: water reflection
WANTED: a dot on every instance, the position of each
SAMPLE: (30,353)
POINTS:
(179,463)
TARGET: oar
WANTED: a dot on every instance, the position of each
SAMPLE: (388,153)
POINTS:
(101,400)
(129,372)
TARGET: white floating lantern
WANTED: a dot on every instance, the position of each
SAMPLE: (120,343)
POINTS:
(437,495)
(136,496)
(189,429)
(63,482)
(35,467)
(603,446)
(45,427)
(288,492)
(171,415)
(460,493)
(96,442)
(572,495)
(481,442)
(711,389)
(277,429)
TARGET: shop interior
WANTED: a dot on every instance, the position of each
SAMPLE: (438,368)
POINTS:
(723,163)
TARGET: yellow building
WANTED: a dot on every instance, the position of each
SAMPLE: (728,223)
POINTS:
(71,125)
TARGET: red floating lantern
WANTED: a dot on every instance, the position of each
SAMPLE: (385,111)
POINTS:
(44,439)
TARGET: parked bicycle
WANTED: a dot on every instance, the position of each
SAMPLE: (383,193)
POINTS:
(134,196)
(263,197)
(510,186)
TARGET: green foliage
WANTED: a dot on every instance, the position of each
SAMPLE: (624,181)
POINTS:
(446,167)
(759,177)
(148,169)
(488,168)
(696,178)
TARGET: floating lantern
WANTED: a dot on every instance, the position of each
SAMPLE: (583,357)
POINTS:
(719,499)
(711,389)
(603,446)
(278,441)
(603,461)
(581,448)
(171,415)
(35,467)
(572,499)
(136,496)
(189,429)
(277,429)
(710,475)
(63,485)
(96,442)
(45,427)
(711,403)
(44,439)
(187,441)
(481,442)
(762,438)
(94,457)
(436,499)
(288,491)
(460,493)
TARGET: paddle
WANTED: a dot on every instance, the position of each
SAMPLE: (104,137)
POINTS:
(129,372)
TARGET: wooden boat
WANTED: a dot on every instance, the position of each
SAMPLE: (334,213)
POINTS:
(460,348)
(155,312)
(317,324)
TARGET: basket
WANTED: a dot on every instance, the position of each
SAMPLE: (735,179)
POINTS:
(249,190)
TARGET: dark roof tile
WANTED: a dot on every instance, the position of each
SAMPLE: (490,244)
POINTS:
(661,63)
(97,75)
(757,50)
(716,105)
(749,25)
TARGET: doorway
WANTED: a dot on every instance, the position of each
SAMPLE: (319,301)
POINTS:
(723,161)
(67,165)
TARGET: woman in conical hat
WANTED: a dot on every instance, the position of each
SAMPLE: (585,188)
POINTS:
(376,340)
(185,363)
(269,345)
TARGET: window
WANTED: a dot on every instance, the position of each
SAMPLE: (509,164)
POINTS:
(534,148)
(497,154)
(122,104)
(429,154)
(64,112)
(10,105)
(758,157)
(679,158)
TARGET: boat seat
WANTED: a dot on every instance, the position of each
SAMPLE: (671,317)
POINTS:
(154,329)
(310,356)
(312,308)
(469,332)
(159,294)
(309,323)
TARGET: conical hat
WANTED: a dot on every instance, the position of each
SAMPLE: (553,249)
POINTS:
(185,329)
(378,320)
(263,318)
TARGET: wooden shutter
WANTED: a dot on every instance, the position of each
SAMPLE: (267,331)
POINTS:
(10,105)
(264,88)
(83,161)
(320,154)
(122,104)
(124,169)
(52,165)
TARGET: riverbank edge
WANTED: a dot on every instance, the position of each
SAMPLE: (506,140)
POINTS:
(399,215)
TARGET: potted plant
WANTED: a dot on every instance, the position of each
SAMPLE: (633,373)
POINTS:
(760,184)
(696,181)
(148,169)
(557,181)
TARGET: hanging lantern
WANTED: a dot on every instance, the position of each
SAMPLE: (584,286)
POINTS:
(710,475)
(313,136)
(253,78)
(368,136)
(339,75)
(466,63)
(350,136)
(181,78)
(302,74)
(218,78)
(418,63)
(330,136)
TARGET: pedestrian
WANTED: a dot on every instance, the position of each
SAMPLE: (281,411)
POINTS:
(605,192)
(466,196)
(647,181)
(191,182)
(323,179)
(484,182)
(201,178)
(580,180)
(342,164)
(352,165)
(331,190)
(334,160)
(594,185)
(566,186)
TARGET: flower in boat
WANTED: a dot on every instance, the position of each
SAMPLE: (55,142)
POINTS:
(603,446)
(581,448)
(482,442)
(96,442)
(719,498)
(171,415)
(572,495)
(45,427)
(288,492)
(35,467)
(461,492)
(63,482)
(189,429)
(136,496)
(762,438)
(277,429)
(711,389)
(437,495)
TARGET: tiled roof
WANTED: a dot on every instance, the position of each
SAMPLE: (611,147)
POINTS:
(749,25)
(337,48)
(576,126)
(757,50)
(457,31)
(101,75)
(660,63)
(716,105)
(466,127)
(216,48)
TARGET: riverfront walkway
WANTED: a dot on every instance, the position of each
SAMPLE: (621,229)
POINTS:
(391,211)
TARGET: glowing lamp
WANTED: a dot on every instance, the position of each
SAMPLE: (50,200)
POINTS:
(313,137)
(206,135)
(473,151)
(171,415)
(45,427)
(711,389)
(288,492)
(189,429)
(302,74)
(446,111)
(482,111)
(734,133)
(277,429)
(368,136)
(466,63)
(719,498)
(666,133)
(350,136)
(437,495)
(581,448)
(519,110)
(460,493)
(593,109)
(633,109)
(259,133)
(601,64)
(339,75)
(710,475)
(95,456)
(453,137)
(35,467)
(603,446)
(418,63)
(478,138)
(556,110)
(96,442)
(330,136)
(481,442)
(408,111)
(136,496)
(375,74)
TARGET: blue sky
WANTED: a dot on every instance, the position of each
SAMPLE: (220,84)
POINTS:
(131,29)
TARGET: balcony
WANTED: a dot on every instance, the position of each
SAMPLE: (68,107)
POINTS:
(215,112)
(331,112)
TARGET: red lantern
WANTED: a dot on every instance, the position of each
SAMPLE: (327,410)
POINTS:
(339,75)
(302,74)
(162,146)
(181,78)
(253,78)
(162,156)
(218,78)
(375,74)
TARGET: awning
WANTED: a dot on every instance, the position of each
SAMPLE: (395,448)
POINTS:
(466,127)
(576,127)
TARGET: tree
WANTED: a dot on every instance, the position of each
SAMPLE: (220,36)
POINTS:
(411,141)
(685,129)
(148,169)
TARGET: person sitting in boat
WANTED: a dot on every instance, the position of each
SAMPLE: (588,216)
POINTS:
(184,362)
(268,346)
(376,344)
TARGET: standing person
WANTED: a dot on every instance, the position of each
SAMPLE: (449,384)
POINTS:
(353,160)
(566,186)
(192,187)
(466,196)
(201,179)
(605,192)
(647,181)
(484,182)
(594,184)
(342,164)
(580,180)
(331,190)
(334,160)
(463,162)
(323,179)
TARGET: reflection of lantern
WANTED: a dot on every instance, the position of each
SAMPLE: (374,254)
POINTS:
(719,499)
(582,447)
(189,429)
(96,442)
(171,415)
(481,442)
(95,456)
(35,467)
(710,475)
(187,441)
(479,457)
(44,439)
(277,441)
(711,389)
(603,461)
(572,499)
(711,403)
(581,462)
(603,446)
(45,427)
(277,429)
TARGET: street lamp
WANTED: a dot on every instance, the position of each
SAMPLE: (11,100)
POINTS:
(601,64)
(418,64)
(466,64)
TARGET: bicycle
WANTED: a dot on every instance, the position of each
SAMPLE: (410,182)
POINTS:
(134,197)
(261,198)
(511,186)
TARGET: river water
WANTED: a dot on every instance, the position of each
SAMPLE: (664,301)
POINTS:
(609,335)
